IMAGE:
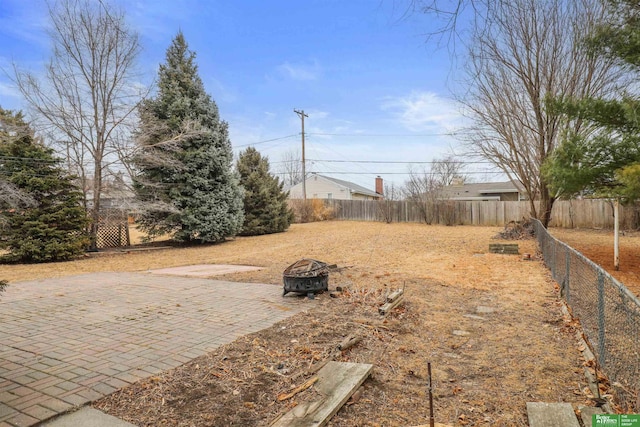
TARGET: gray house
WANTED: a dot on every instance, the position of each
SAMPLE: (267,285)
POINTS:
(502,191)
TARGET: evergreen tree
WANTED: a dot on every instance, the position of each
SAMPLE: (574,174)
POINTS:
(265,203)
(606,162)
(49,224)
(185,181)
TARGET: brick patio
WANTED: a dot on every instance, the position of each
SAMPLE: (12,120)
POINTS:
(68,341)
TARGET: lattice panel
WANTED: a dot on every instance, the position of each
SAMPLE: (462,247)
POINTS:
(113,235)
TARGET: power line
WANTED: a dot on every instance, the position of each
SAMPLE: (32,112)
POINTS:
(398,173)
(400,162)
(331,149)
(265,141)
(396,135)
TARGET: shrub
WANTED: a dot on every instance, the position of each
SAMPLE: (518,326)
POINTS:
(311,210)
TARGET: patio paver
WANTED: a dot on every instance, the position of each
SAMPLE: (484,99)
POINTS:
(67,341)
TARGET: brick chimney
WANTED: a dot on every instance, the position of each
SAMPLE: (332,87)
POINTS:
(379,186)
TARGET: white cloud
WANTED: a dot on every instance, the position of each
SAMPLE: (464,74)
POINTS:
(9,90)
(317,114)
(302,72)
(220,92)
(26,21)
(424,111)
(157,20)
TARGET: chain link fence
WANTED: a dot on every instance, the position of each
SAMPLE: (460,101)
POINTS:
(608,312)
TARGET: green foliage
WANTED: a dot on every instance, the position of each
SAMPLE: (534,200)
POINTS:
(265,203)
(51,225)
(603,164)
(12,125)
(588,166)
(185,177)
(619,39)
(629,179)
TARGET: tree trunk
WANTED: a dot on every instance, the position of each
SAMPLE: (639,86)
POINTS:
(546,205)
(95,210)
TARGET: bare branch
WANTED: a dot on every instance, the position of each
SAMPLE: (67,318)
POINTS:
(88,93)
(291,168)
(529,51)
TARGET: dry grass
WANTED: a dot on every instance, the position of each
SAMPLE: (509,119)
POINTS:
(486,366)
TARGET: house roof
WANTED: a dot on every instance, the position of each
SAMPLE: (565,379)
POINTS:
(480,189)
(355,188)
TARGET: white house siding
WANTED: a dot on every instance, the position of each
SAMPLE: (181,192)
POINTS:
(320,188)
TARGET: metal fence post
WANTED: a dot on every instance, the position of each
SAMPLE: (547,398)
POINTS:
(553,262)
(566,291)
(601,322)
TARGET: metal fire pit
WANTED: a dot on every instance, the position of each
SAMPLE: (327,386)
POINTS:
(307,276)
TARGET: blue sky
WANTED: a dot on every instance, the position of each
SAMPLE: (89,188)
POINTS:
(373,87)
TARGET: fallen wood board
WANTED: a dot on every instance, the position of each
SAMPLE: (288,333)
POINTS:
(337,381)
(395,295)
(543,414)
(504,248)
(349,342)
(387,307)
(587,412)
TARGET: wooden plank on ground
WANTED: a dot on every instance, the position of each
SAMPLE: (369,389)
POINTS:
(543,414)
(394,295)
(587,412)
(387,307)
(337,381)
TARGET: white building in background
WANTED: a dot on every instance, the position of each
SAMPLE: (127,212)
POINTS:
(324,187)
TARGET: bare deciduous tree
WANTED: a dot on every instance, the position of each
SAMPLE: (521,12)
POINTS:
(88,91)
(12,127)
(388,203)
(290,168)
(526,52)
(424,188)
(448,170)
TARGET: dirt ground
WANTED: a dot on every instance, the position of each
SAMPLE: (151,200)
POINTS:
(597,245)
(491,326)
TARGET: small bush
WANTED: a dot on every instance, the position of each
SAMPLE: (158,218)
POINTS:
(311,210)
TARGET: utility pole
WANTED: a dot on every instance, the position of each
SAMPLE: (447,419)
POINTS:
(302,115)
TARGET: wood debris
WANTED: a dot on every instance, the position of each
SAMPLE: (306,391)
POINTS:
(392,301)
(302,387)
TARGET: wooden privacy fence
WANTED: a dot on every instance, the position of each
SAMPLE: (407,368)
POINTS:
(590,213)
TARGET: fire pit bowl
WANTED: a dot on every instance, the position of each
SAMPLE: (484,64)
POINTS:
(306,276)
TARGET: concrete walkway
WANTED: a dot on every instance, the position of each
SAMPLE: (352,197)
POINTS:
(69,341)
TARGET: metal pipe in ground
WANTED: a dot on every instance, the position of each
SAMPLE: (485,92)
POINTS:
(431,417)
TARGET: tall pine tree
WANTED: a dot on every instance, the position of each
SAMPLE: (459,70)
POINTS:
(265,203)
(42,215)
(186,183)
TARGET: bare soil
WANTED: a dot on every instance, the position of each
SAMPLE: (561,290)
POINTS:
(597,245)
(491,325)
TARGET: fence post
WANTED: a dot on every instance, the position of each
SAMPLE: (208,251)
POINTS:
(553,262)
(566,292)
(601,323)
